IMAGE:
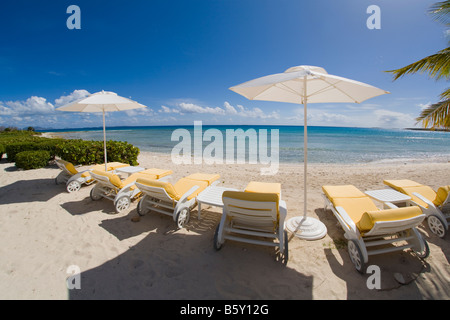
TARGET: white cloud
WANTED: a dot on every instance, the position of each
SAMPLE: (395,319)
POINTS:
(393,119)
(228,109)
(424,106)
(193,108)
(32,106)
(74,96)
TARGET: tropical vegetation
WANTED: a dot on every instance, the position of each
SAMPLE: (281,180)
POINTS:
(437,66)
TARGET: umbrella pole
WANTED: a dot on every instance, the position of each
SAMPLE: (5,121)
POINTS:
(306,227)
(104,140)
(305,150)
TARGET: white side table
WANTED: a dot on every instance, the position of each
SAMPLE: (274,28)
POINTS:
(389,195)
(211,196)
(129,170)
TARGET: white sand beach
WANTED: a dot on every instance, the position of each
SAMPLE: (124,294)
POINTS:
(44,230)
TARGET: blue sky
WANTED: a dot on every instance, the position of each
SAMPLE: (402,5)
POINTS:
(180,57)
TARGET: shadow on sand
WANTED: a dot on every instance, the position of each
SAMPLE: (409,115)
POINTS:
(182,264)
(405,263)
(37,190)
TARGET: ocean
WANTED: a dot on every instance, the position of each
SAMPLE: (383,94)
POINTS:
(325,144)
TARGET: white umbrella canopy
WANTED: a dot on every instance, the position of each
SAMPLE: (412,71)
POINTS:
(103,102)
(303,85)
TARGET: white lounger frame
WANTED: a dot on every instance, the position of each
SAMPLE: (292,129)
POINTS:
(243,220)
(437,220)
(158,200)
(121,197)
(73,181)
(383,233)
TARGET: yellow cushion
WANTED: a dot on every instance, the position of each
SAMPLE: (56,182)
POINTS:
(253,196)
(157,173)
(110,166)
(369,218)
(355,207)
(113,178)
(208,178)
(344,191)
(69,166)
(354,201)
(177,190)
(168,187)
(408,187)
(396,184)
(183,185)
(441,195)
(264,187)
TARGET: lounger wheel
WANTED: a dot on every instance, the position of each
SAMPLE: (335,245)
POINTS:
(73,186)
(182,217)
(356,256)
(141,210)
(437,226)
(122,203)
(217,243)
(95,196)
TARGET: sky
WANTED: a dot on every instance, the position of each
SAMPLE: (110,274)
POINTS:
(180,57)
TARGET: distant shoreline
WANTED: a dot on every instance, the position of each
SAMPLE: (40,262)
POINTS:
(428,129)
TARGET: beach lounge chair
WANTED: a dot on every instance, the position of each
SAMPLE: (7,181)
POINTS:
(122,192)
(175,200)
(255,215)
(371,231)
(432,203)
(74,179)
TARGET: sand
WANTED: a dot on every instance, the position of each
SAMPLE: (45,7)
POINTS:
(45,231)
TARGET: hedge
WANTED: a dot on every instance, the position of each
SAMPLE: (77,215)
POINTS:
(50,145)
(32,159)
(2,150)
(81,152)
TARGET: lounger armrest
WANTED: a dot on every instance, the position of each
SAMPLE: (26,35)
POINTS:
(344,215)
(128,186)
(215,183)
(167,178)
(390,205)
(421,197)
(188,193)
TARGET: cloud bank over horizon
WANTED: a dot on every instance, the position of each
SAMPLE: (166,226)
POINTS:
(41,112)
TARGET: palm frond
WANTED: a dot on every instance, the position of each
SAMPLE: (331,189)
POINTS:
(437,66)
(445,95)
(436,116)
(440,12)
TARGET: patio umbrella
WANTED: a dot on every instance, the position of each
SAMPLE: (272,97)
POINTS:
(103,101)
(303,85)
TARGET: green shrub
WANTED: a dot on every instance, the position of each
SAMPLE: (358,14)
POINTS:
(2,150)
(32,159)
(50,145)
(13,149)
(81,152)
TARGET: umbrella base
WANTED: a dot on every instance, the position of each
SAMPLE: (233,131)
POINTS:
(306,228)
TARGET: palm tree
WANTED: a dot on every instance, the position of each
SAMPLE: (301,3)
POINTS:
(437,66)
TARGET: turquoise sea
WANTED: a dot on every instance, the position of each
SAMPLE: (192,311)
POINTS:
(325,144)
